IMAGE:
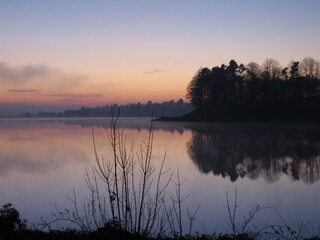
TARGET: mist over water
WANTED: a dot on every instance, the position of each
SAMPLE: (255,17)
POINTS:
(271,164)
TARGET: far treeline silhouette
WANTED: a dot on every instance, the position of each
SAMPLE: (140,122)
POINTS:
(168,108)
(253,92)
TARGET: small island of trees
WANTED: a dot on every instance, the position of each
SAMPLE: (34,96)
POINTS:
(253,92)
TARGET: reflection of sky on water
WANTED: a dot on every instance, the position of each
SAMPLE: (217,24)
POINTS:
(40,163)
(40,150)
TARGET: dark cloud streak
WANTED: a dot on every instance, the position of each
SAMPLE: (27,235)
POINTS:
(90,95)
(154,71)
(23,90)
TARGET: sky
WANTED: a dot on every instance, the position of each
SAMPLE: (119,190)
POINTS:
(64,54)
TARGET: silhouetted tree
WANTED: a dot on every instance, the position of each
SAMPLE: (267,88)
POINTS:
(169,108)
(198,88)
(271,69)
(309,67)
(10,220)
(253,70)
(294,70)
(236,91)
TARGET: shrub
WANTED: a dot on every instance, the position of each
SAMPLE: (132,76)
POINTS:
(10,220)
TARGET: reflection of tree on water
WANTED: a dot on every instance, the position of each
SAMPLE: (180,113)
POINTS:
(260,152)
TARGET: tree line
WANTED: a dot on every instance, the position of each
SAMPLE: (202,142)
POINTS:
(166,108)
(255,91)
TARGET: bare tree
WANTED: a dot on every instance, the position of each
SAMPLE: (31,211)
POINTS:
(271,68)
(253,69)
(309,67)
(317,69)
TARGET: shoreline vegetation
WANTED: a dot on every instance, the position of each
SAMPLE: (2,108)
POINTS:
(13,227)
(255,93)
(231,92)
(128,198)
(166,108)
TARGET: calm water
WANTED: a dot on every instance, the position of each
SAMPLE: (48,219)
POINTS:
(273,165)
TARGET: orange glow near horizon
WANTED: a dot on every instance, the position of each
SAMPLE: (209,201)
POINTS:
(57,88)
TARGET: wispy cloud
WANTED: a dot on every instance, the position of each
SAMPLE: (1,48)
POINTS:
(23,90)
(22,74)
(44,74)
(154,71)
(64,97)
(58,95)
(14,139)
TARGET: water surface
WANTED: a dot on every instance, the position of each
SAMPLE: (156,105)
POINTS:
(272,164)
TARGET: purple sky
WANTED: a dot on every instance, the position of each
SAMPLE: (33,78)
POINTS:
(64,54)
